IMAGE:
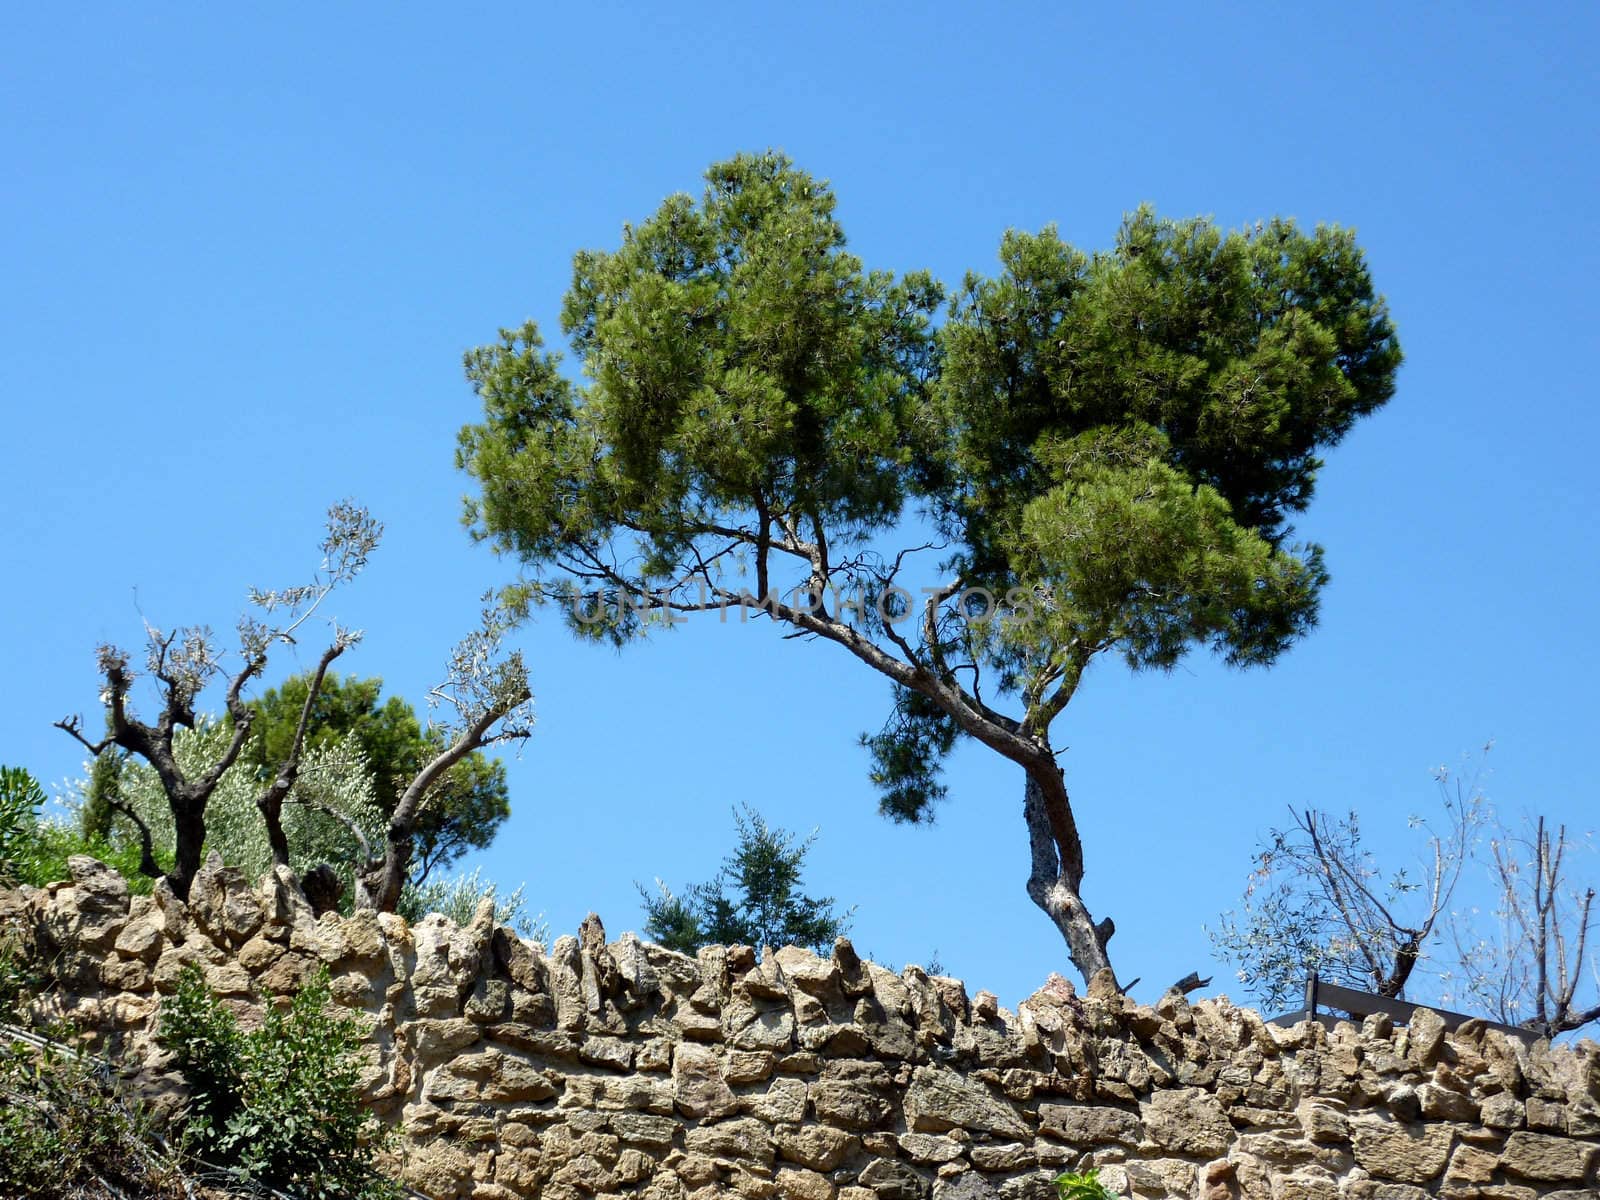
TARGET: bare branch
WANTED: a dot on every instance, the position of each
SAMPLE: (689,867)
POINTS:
(73,725)
(148,866)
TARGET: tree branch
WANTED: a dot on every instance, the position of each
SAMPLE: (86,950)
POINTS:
(362,841)
(73,726)
(270,802)
(388,876)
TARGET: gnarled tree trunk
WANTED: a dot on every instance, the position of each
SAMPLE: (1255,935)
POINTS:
(189,825)
(1055,879)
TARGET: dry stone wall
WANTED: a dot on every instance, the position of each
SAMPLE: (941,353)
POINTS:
(622,1069)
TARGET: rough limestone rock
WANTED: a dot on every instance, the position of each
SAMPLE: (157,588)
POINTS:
(88,915)
(1550,1159)
(1404,1152)
(223,904)
(890,1179)
(698,1088)
(820,1147)
(969,1185)
(1187,1121)
(940,1099)
(1089,1125)
(927,1149)
(602,1069)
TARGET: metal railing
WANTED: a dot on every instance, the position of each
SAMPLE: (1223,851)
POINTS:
(1322,995)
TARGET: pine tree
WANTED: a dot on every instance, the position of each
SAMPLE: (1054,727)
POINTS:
(1109,446)
(754,900)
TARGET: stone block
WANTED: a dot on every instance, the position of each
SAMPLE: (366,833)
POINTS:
(1187,1121)
(1548,1159)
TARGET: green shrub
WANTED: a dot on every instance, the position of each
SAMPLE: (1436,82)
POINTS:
(17,981)
(1082,1186)
(35,851)
(207,1046)
(21,797)
(457,897)
(65,1129)
(56,841)
(280,1105)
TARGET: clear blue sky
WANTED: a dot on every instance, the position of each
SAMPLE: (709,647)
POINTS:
(243,253)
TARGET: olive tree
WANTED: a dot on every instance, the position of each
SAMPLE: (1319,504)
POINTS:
(333,797)
(1090,454)
(484,698)
(470,802)
(183,662)
(1319,901)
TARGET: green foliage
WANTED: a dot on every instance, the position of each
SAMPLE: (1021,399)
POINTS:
(35,851)
(740,358)
(64,1126)
(1120,436)
(1109,446)
(333,775)
(457,897)
(467,806)
(21,798)
(1085,1185)
(17,979)
(753,901)
(908,756)
(55,841)
(1126,434)
(280,1106)
(102,791)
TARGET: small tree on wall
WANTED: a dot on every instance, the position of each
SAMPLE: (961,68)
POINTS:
(754,900)
(1320,900)
(1539,964)
(184,662)
(468,803)
(484,698)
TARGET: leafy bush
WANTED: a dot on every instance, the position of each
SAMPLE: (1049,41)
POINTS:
(207,1046)
(1082,1186)
(20,800)
(458,896)
(56,841)
(64,1127)
(35,851)
(280,1105)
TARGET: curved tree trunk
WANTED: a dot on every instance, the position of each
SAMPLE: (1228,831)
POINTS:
(380,884)
(382,889)
(1056,875)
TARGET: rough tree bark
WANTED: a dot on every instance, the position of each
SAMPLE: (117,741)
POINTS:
(186,797)
(1055,881)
